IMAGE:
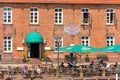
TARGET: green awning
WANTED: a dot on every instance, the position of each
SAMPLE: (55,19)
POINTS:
(34,37)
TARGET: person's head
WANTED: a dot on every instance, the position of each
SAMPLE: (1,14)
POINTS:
(38,65)
(62,63)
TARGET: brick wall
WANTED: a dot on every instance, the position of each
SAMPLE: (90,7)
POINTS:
(72,15)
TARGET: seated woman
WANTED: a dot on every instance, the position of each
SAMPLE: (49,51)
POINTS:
(39,70)
(24,69)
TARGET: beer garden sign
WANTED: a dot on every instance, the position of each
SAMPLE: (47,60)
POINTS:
(72,30)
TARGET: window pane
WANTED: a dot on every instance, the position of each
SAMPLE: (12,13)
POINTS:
(31,9)
(56,10)
(5,37)
(35,9)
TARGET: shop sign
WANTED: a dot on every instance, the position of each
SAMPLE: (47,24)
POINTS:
(20,48)
(71,30)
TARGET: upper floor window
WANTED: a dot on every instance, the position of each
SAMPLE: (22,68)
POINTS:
(110,16)
(7,44)
(109,40)
(85,40)
(85,13)
(58,16)
(34,18)
(7,15)
(58,42)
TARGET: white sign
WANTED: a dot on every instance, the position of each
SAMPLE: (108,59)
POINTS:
(71,29)
(20,48)
(47,48)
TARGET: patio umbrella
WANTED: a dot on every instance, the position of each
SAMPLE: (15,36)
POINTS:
(114,48)
(78,48)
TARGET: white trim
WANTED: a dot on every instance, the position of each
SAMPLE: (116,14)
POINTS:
(58,16)
(108,23)
(7,15)
(85,40)
(61,40)
(110,39)
(82,22)
(34,15)
(7,51)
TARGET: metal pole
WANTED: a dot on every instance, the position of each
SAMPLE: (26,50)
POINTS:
(58,61)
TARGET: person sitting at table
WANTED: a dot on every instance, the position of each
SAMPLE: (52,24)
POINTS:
(116,65)
(62,65)
(39,70)
(24,69)
(74,65)
(69,65)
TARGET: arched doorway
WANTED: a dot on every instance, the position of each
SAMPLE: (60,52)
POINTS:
(34,41)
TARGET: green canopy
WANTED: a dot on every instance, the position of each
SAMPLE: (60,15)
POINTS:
(78,48)
(115,48)
(34,37)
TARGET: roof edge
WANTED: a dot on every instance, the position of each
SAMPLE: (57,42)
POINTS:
(10,2)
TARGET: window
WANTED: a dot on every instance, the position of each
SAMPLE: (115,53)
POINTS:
(7,44)
(58,16)
(56,40)
(85,40)
(109,41)
(34,15)
(85,16)
(110,16)
(7,15)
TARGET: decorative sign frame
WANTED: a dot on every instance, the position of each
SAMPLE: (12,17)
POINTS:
(72,30)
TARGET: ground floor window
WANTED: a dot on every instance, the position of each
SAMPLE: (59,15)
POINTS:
(58,42)
(109,40)
(7,44)
(85,40)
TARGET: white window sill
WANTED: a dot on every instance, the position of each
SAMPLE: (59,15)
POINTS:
(7,23)
(59,24)
(85,24)
(8,52)
(110,24)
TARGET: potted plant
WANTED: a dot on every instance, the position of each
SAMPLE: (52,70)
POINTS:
(87,57)
(25,59)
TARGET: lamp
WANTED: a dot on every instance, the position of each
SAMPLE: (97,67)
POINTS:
(23,42)
(58,43)
(44,41)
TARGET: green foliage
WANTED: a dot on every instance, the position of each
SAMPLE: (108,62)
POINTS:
(86,54)
(25,59)
(45,59)
(45,53)
(24,55)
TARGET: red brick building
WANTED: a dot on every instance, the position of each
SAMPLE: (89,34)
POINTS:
(33,26)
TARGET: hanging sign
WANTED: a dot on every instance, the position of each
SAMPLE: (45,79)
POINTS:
(71,29)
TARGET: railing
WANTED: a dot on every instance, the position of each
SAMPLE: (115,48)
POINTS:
(82,72)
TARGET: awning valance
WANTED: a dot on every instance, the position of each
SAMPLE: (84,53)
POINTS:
(34,37)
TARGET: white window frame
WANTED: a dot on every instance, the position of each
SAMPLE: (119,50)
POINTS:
(58,16)
(34,12)
(60,42)
(108,16)
(7,41)
(85,40)
(8,13)
(108,41)
(83,22)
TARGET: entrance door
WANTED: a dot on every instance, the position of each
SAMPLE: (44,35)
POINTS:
(34,52)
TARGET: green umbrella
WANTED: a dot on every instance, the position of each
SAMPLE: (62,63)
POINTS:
(78,48)
(114,48)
